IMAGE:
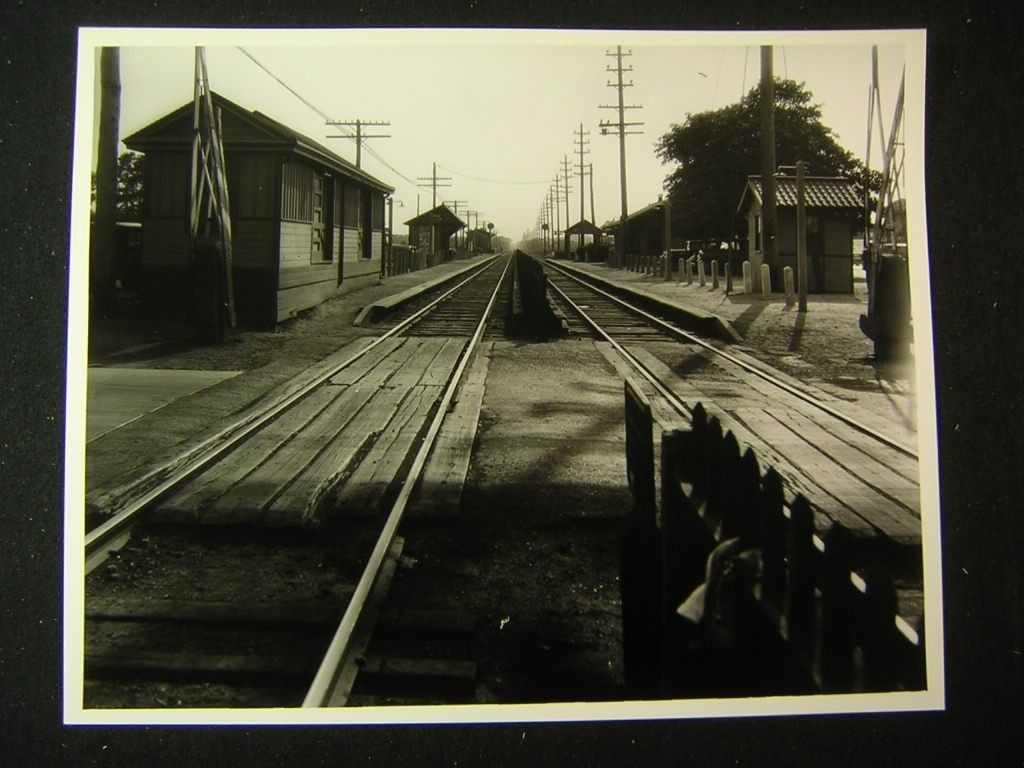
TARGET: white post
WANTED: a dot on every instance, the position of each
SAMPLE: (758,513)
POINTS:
(787,276)
(766,282)
(747,287)
(701,277)
(714,273)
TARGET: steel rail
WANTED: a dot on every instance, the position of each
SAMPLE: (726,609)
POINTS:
(760,373)
(902,625)
(100,541)
(322,689)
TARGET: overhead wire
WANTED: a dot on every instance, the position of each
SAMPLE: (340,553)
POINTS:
(348,133)
(492,181)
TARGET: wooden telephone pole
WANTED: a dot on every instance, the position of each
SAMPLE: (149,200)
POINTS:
(619,128)
(769,215)
(566,190)
(103,246)
(359,137)
(433,180)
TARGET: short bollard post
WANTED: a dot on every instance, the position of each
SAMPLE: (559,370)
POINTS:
(714,273)
(701,277)
(787,278)
(766,282)
(689,271)
(746,277)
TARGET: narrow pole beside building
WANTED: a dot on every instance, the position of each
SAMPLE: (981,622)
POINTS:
(769,214)
(801,236)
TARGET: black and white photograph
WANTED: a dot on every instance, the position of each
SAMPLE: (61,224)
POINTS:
(426,376)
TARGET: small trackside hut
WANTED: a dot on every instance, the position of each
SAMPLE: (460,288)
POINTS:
(832,206)
(431,232)
(306,223)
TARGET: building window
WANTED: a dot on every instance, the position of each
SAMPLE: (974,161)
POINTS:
(355,218)
(757,233)
(297,192)
(320,248)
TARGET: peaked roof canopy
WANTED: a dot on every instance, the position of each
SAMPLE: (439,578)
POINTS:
(584,227)
(442,214)
(819,192)
(245,129)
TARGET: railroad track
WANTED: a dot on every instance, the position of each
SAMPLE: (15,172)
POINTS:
(320,480)
(850,470)
(869,478)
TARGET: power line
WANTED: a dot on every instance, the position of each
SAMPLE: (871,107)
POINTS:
(433,179)
(359,136)
(321,113)
(492,181)
(619,128)
(285,85)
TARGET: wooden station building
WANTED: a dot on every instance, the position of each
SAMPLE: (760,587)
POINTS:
(832,206)
(645,230)
(431,231)
(306,223)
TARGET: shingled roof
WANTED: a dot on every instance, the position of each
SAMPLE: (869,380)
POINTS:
(245,129)
(442,214)
(819,192)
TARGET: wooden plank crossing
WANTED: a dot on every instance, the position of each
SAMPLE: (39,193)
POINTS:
(352,433)
(848,477)
(444,476)
(363,491)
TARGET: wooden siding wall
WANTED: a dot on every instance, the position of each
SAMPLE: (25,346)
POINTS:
(301,285)
(350,248)
(167,179)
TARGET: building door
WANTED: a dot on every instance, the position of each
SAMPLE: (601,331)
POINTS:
(319,246)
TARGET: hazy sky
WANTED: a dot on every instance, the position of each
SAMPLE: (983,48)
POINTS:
(497,110)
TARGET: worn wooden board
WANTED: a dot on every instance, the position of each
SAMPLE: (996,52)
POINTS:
(246,500)
(192,501)
(832,466)
(300,501)
(363,490)
(444,475)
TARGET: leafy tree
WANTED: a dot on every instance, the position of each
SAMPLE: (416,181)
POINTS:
(717,150)
(130,169)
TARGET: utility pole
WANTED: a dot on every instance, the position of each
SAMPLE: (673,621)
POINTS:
(433,179)
(590,173)
(565,189)
(551,219)
(557,201)
(359,136)
(102,253)
(581,143)
(769,215)
(619,128)
(801,235)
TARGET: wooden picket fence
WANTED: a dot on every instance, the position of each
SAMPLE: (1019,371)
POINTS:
(817,613)
(399,259)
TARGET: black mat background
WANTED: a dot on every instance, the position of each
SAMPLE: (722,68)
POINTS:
(975,226)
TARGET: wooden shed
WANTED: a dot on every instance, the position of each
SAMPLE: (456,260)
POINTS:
(431,231)
(307,224)
(832,206)
(645,230)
